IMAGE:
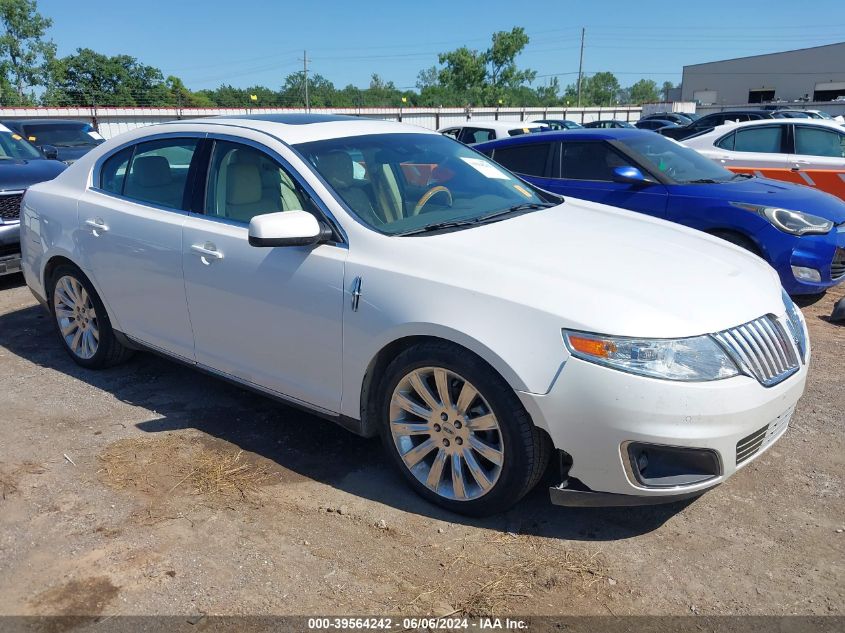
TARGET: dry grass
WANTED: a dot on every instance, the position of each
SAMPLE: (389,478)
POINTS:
(174,465)
(526,567)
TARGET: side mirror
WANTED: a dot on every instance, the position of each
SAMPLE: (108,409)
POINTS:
(629,175)
(287,228)
(50,152)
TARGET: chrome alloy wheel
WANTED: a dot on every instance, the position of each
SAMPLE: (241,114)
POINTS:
(446,433)
(76,316)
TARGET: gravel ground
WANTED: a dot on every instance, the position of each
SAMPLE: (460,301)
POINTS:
(154,489)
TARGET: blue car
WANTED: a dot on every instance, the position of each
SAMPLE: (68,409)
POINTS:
(800,231)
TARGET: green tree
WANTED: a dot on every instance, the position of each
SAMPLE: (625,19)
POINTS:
(599,90)
(665,88)
(88,77)
(643,91)
(24,53)
(464,73)
(503,76)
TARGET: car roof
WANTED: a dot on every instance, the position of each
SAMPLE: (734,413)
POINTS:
(584,134)
(303,128)
(499,126)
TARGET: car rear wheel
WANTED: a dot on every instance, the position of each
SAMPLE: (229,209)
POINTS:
(457,432)
(81,320)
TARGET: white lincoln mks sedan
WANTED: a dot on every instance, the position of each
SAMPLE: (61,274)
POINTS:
(400,283)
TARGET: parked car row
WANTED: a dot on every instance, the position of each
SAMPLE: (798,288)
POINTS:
(808,151)
(32,151)
(403,284)
(798,231)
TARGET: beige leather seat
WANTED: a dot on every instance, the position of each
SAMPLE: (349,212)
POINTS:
(245,193)
(336,167)
(151,180)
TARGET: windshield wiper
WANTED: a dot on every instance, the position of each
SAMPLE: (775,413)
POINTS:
(703,181)
(483,219)
(735,176)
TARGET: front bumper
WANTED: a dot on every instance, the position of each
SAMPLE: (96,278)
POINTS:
(822,253)
(592,413)
(10,248)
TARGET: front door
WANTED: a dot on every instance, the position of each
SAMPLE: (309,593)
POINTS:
(587,173)
(130,238)
(268,316)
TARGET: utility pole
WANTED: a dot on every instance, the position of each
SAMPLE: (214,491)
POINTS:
(581,65)
(305,61)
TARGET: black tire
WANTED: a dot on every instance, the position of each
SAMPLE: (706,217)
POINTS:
(738,240)
(109,351)
(526,450)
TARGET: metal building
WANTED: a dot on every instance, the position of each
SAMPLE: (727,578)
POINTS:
(813,74)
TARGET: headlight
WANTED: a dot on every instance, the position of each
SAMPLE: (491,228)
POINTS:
(796,325)
(698,358)
(793,222)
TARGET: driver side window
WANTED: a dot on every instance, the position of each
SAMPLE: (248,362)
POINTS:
(244,182)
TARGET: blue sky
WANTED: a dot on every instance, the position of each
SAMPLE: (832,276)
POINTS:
(248,42)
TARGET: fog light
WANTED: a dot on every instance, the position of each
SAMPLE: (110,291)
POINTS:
(802,273)
(657,466)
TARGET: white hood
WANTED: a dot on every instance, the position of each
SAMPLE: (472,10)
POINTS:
(605,270)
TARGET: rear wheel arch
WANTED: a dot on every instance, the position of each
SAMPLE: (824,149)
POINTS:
(58,260)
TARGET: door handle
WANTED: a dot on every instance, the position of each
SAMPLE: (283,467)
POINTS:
(208,252)
(97,225)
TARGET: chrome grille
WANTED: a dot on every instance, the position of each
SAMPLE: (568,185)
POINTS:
(762,349)
(748,446)
(837,267)
(10,205)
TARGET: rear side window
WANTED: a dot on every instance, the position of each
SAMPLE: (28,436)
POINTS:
(113,172)
(590,161)
(453,132)
(818,142)
(477,135)
(530,159)
(158,172)
(759,139)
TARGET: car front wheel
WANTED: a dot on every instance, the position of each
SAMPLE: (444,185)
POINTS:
(457,432)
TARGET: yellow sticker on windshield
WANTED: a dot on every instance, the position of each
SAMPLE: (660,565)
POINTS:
(31,138)
(523,191)
(17,137)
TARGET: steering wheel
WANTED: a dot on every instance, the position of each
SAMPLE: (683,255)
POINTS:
(428,195)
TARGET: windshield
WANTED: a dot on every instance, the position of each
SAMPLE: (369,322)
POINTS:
(12,146)
(400,183)
(679,163)
(63,134)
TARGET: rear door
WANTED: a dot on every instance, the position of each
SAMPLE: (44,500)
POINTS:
(130,239)
(586,171)
(818,158)
(536,162)
(757,149)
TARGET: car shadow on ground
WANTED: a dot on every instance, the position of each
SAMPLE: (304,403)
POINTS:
(183,398)
(15,280)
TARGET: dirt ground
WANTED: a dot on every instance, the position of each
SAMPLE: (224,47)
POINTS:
(154,489)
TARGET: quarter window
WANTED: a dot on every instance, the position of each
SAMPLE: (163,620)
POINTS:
(759,139)
(726,142)
(113,172)
(591,161)
(527,159)
(158,172)
(819,142)
(244,182)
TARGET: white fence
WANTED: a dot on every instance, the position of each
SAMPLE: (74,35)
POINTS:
(112,121)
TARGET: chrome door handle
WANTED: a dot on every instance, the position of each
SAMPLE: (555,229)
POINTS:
(97,225)
(208,252)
